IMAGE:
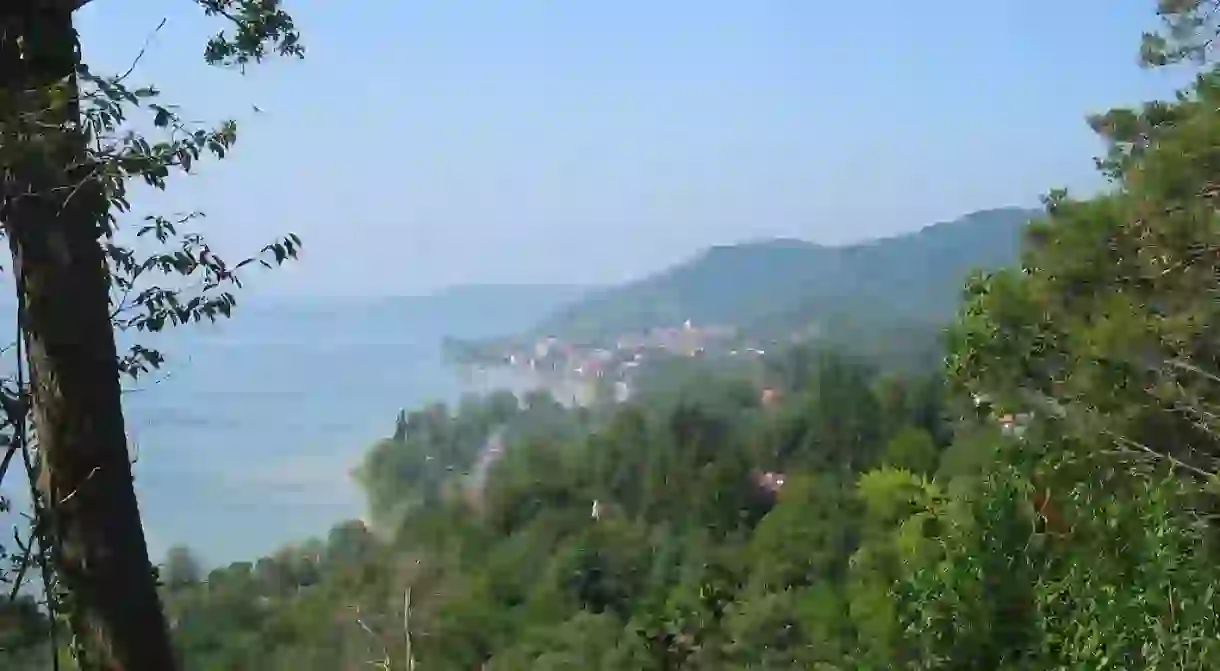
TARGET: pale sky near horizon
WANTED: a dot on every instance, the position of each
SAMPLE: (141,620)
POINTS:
(436,142)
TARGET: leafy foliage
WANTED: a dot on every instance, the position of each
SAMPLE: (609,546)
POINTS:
(69,148)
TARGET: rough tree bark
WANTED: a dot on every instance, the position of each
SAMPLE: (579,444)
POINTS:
(54,226)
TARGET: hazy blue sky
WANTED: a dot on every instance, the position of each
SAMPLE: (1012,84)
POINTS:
(433,142)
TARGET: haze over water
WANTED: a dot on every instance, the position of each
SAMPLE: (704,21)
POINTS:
(246,440)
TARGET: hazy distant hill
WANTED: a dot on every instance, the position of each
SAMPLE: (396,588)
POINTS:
(913,278)
(466,311)
(504,308)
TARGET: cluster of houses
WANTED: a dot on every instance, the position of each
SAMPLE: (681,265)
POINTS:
(565,363)
(1011,424)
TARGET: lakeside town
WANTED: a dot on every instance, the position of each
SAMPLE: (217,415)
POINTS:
(581,372)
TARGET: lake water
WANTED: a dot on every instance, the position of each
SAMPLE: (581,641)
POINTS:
(246,440)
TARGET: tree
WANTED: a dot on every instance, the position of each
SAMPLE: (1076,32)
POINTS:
(806,536)
(582,642)
(1188,30)
(912,449)
(349,543)
(837,423)
(64,160)
(1107,333)
(23,634)
(602,568)
(1110,324)
(789,629)
(182,568)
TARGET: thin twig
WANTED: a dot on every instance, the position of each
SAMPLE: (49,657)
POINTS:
(25,564)
(143,50)
(1138,446)
(8,458)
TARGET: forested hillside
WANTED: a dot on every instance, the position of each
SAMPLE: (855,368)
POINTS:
(468,310)
(787,283)
(592,537)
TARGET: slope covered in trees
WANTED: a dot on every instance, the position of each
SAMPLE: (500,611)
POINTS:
(783,284)
(506,567)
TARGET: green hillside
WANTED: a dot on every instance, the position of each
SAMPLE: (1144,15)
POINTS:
(779,284)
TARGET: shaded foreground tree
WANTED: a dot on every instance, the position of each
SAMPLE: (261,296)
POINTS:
(1111,322)
(65,158)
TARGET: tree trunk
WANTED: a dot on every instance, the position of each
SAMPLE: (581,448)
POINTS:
(54,228)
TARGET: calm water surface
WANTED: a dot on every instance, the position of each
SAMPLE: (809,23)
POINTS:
(246,440)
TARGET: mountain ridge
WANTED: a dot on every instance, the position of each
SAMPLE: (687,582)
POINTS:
(914,275)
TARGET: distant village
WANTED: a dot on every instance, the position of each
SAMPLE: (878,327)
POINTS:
(576,373)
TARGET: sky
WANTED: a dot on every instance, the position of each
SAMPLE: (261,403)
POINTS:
(429,143)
